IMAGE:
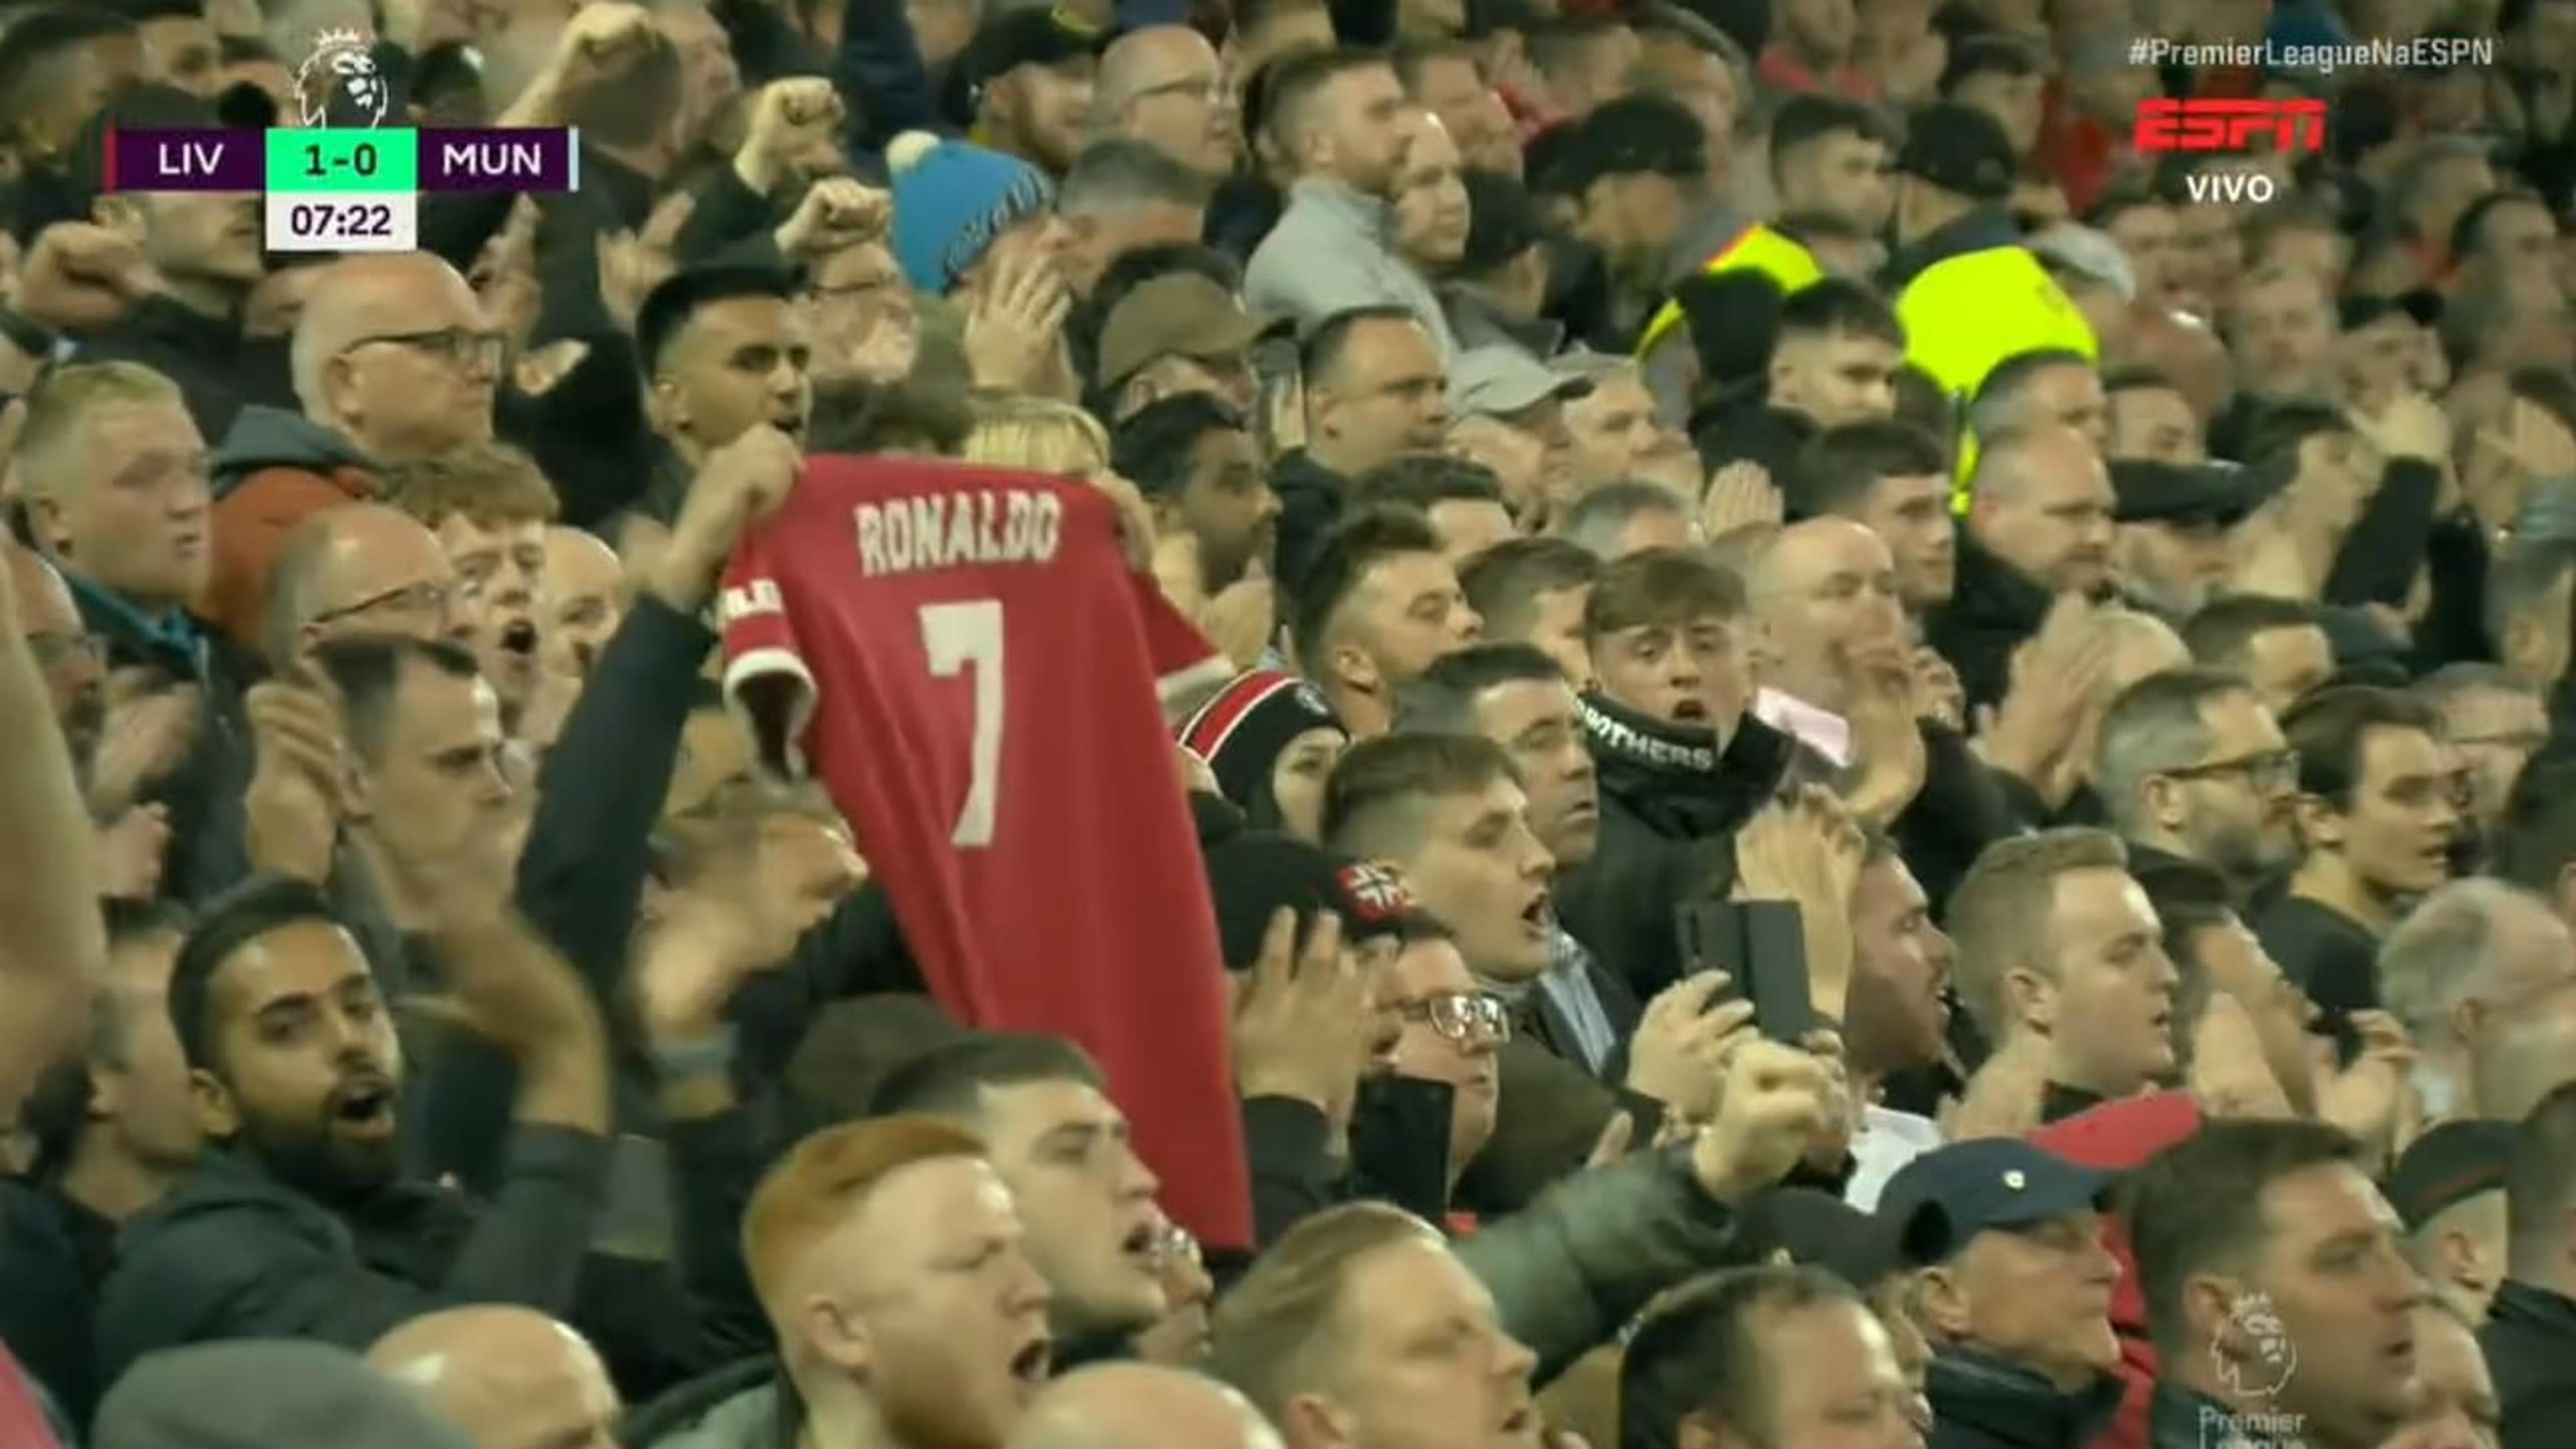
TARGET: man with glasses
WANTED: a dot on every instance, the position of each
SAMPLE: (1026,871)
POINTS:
(1163,85)
(1450,1030)
(2194,774)
(394,359)
(362,568)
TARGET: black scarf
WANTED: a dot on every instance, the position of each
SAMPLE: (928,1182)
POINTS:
(1675,778)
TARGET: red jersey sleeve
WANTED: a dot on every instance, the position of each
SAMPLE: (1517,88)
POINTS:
(1185,663)
(766,678)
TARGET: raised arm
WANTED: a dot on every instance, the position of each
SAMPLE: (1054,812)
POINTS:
(52,945)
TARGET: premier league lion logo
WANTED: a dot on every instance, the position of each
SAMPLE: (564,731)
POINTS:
(341,65)
(2255,1358)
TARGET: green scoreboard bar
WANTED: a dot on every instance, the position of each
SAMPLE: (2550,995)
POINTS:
(344,161)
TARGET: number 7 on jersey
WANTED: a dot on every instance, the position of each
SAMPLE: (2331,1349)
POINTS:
(959,638)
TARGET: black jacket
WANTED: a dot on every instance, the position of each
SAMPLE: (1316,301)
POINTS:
(1399,1153)
(2530,1339)
(234,1253)
(54,1253)
(1983,1402)
(1670,804)
(1739,425)
(1993,608)
(1311,500)
(207,855)
(219,372)
(2178,1418)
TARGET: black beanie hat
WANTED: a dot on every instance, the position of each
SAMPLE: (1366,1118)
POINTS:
(1254,875)
(1242,732)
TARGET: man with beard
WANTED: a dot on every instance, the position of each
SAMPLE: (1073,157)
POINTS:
(1375,389)
(2193,772)
(723,351)
(1896,1017)
(1380,605)
(2171,540)
(1199,467)
(295,1223)
(489,507)
(2038,525)
(1025,85)
(1333,114)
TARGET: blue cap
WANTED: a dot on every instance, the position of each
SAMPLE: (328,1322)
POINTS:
(1993,1182)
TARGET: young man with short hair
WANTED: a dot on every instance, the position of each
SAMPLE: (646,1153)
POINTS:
(1893,479)
(1379,605)
(1532,591)
(2378,813)
(489,506)
(2062,963)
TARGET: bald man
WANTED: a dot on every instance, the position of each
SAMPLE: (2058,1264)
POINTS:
(511,1378)
(1140,1406)
(1163,85)
(360,568)
(1822,595)
(394,354)
(393,359)
(585,592)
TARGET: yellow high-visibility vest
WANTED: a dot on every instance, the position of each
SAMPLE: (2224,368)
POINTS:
(1963,315)
(1757,248)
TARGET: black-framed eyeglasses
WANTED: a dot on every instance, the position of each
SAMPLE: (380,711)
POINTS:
(481,351)
(1469,1018)
(431,599)
(2269,770)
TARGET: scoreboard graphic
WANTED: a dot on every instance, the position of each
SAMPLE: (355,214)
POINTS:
(344,188)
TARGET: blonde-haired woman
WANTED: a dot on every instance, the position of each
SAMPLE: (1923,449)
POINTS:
(1042,435)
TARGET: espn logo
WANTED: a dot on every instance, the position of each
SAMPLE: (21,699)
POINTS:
(2214,125)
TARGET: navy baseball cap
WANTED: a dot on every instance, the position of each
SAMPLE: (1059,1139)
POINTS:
(1992,1183)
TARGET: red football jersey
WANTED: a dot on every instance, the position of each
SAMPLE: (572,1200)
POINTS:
(973,669)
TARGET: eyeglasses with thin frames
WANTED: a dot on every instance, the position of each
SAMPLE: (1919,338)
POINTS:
(479,351)
(2267,771)
(433,600)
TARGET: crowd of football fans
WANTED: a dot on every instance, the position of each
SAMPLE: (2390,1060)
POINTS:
(2089,605)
